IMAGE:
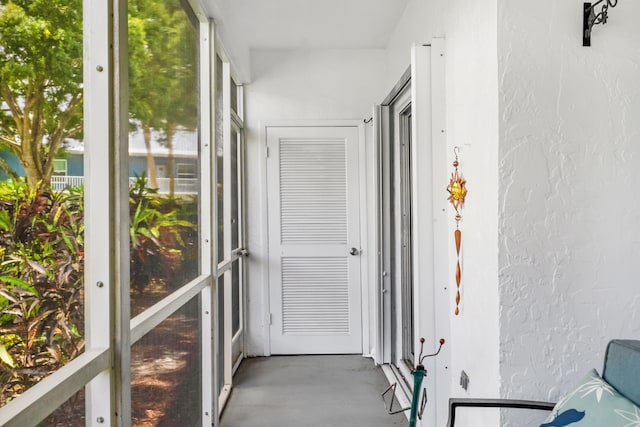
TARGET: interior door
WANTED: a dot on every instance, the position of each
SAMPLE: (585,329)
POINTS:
(314,240)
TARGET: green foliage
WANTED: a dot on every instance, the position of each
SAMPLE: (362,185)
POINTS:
(41,75)
(163,83)
(160,237)
(41,231)
(42,267)
(5,356)
(163,78)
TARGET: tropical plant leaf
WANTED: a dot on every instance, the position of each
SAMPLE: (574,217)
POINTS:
(6,357)
(16,281)
(7,296)
(5,221)
(38,267)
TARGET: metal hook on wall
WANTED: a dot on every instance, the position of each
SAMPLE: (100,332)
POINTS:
(590,18)
(366,121)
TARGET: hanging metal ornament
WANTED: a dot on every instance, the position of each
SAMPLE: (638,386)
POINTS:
(457,193)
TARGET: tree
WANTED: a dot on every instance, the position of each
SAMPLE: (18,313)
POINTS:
(180,105)
(144,91)
(163,85)
(41,77)
(40,81)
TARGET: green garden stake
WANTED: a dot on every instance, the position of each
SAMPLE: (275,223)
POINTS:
(418,375)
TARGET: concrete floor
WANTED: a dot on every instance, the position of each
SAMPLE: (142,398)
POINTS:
(308,391)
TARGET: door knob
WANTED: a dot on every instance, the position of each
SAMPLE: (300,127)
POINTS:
(354,251)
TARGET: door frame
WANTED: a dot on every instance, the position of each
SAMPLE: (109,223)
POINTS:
(430,232)
(433,242)
(388,201)
(364,220)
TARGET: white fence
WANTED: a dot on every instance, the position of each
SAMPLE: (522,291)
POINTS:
(181,185)
(61,182)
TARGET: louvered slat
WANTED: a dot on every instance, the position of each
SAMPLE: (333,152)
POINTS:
(315,297)
(313,191)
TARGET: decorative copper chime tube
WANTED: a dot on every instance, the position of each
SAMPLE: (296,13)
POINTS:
(457,193)
(458,236)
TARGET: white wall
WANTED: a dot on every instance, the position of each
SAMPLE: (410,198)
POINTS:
(569,229)
(472,111)
(296,85)
(550,228)
(420,22)
(470,31)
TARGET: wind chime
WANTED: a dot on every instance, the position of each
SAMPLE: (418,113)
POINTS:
(457,192)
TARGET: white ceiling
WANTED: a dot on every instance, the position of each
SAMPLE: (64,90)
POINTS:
(300,24)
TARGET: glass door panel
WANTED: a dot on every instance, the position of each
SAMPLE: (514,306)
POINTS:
(406,249)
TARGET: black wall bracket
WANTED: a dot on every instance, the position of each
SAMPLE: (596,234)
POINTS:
(591,18)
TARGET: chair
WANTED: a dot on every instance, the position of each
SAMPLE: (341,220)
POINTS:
(621,370)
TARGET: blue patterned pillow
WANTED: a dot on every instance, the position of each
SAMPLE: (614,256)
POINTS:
(594,403)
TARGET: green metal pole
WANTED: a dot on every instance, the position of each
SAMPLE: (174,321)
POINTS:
(418,376)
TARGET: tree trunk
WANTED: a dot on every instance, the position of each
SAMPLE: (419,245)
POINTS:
(27,157)
(37,160)
(151,162)
(170,132)
(34,179)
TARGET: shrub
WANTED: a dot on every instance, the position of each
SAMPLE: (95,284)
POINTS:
(161,235)
(41,267)
(41,271)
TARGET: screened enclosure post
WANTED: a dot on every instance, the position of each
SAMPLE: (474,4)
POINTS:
(228,302)
(242,230)
(212,219)
(209,412)
(377,259)
(99,282)
(120,213)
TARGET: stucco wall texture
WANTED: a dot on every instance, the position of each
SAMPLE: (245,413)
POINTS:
(569,230)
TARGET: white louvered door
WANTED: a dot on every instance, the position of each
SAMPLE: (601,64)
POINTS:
(314,223)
